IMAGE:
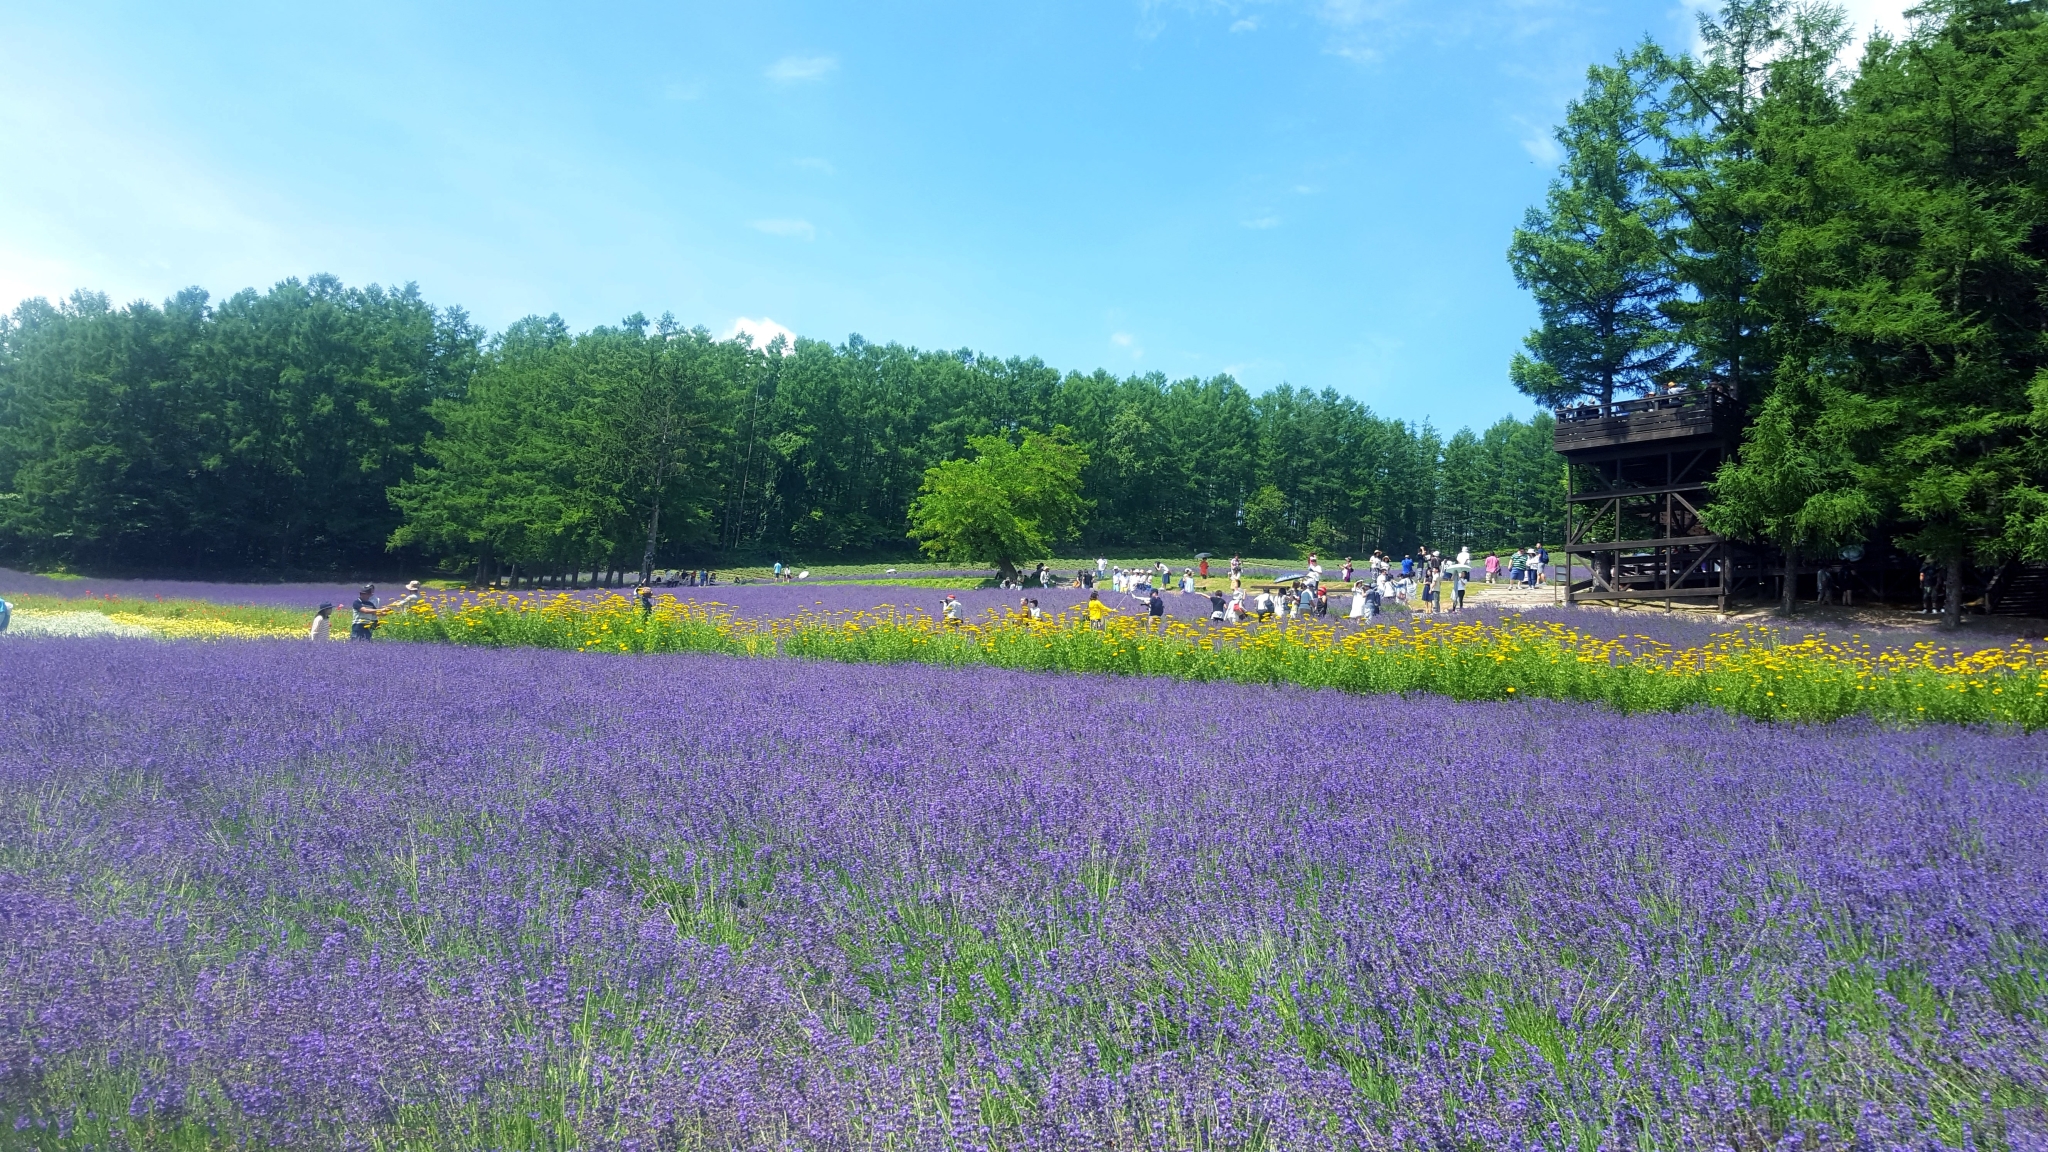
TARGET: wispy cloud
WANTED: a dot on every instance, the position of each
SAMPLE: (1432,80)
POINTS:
(1540,143)
(762,333)
(794,229)
(1261,223)
(1128,343)
(1248,24)
(796,69)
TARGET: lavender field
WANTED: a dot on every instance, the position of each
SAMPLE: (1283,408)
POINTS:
(414,896)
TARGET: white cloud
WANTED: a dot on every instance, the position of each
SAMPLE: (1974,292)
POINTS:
(816,164)
(762,332)
(1261,223)
(791,69)
(1542,147)
(1128,343)
(1888,16)
(795,229)
(1248,24)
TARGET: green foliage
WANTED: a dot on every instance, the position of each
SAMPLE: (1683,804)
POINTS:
(124,441)
(1859,259)
(1011,502)
(262,432)
(1905,263)
(1596,256)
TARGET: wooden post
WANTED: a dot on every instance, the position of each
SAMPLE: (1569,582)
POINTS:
(1570,536)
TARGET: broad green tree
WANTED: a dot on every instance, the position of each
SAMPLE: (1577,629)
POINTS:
(1009,503)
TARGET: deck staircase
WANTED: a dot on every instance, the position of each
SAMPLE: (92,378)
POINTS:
(2019,590)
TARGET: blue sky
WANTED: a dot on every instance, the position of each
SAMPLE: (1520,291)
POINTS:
(1318,192)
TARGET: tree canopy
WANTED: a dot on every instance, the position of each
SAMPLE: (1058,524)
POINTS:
(313,425)
(1010,502)
(1858,257)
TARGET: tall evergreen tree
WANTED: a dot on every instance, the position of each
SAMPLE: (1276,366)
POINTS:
(1597,255)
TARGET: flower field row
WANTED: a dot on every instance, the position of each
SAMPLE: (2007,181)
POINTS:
(1751,672)
(418,897)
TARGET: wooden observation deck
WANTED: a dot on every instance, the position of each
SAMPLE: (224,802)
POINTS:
(1637,481)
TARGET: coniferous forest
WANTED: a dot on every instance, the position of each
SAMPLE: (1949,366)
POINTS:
(315,426)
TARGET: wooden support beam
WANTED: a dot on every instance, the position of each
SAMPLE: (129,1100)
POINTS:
(1700,592)
(1645,545)
(1625,493)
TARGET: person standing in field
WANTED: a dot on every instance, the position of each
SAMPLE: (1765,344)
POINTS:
(1542,565)
(1205,567)
(6,615)
(645,595)
(322,626)
(1098,612)
(363,614)
(1458,581)
(412,596)
(1492,566)
(1155,608)
(1358,601)
(1236,568)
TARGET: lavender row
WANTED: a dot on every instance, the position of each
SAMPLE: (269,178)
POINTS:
(440,897)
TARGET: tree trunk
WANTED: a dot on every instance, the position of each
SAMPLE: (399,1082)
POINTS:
(1006,570)
(653,533)
(1791,580)
(1952,612)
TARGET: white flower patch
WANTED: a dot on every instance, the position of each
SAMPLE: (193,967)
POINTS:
(70,624)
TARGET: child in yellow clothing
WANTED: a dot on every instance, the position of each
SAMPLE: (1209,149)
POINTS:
(1097,610)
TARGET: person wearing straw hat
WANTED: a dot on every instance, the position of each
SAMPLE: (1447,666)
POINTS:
(411,597)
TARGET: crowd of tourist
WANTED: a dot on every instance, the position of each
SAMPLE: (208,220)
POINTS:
(1421,581)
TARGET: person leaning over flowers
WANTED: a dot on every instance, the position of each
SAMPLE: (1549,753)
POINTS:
(411,597)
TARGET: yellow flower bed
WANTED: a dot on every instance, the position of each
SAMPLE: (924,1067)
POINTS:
(1747,672)
(201,627)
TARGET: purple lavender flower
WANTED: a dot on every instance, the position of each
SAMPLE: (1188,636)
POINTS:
(311,896)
